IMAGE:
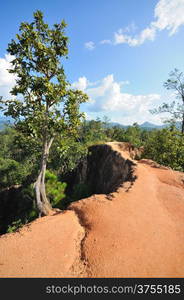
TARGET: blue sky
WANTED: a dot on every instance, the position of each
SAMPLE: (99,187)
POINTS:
(120,51)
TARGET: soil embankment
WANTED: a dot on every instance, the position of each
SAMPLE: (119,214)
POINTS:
(136,231)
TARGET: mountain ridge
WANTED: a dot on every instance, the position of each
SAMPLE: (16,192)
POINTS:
(145,125)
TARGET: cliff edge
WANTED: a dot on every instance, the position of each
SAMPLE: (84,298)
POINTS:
(134,228)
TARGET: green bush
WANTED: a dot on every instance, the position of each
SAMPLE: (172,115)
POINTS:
(54,189)
(11,172)
(166,147)
(15,226)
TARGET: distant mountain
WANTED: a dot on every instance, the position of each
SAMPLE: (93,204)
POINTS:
(148,125)
(145,125)
(112,124)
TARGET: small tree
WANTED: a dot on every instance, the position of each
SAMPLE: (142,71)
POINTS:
(176,109)
(49,106)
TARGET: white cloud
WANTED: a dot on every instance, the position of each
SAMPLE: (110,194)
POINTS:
(120,38)
(169,15)
(90,45)
(108,98)
(7,80)
(105,42)
(130,28)
(81,84)
(146,34)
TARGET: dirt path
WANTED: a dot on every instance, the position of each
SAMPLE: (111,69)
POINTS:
(139,233)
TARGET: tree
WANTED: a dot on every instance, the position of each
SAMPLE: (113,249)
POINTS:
(133,135)
(93,131)
(49,107)
(17,159)
(176,109)
(166,146)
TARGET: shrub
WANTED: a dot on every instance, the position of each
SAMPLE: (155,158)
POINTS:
(10,172)
(54,189)
(14,226)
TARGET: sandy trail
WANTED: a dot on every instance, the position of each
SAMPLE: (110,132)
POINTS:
(139,233)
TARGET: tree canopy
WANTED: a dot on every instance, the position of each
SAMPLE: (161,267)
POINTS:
(176,108)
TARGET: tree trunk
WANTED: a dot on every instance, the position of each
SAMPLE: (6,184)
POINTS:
(182,125)
(43,204)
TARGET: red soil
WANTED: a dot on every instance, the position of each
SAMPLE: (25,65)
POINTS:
(136,233)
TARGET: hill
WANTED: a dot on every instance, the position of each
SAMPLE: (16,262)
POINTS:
(145,125)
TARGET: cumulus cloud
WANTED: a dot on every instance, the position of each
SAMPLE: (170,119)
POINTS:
(7,80)
(90,45)
(168,16)
(81,84)
(107,97)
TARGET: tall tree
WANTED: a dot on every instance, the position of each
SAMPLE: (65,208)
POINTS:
(176,109)
(47,106)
